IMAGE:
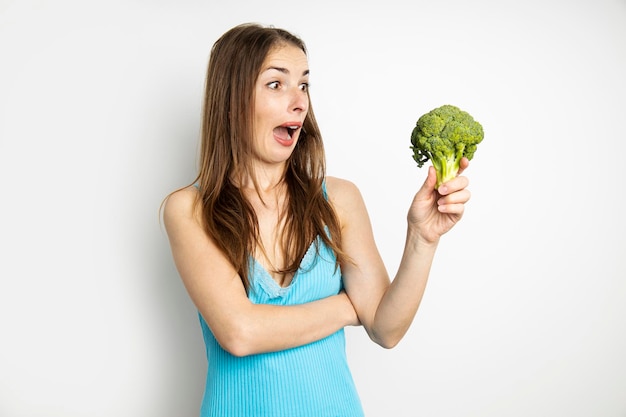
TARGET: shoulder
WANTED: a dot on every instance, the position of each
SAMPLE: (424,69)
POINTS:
(180,205)
(339,187)
(345,196)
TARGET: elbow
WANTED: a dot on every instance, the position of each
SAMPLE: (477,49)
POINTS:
(388,343)
(385,338)
(235,348)
(236,341)
(385,341)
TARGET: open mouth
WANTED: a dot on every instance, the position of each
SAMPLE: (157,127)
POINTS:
(286,132)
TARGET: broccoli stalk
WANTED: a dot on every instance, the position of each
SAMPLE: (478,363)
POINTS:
(444,136)
(447,164)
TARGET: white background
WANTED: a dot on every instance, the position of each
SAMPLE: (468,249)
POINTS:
(525,313)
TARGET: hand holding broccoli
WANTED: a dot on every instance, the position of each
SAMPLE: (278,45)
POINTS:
(444,136)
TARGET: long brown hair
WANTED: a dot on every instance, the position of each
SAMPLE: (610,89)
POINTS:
(225,157)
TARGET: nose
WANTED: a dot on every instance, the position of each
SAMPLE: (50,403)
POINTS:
(299,101)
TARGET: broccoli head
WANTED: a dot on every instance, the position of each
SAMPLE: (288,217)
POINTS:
(444,136)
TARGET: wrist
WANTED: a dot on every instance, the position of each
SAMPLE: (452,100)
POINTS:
(420,242)
(349,316)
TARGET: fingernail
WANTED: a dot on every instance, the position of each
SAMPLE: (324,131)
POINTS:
(443,189)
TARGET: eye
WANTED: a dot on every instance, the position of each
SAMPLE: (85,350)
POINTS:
(304,86)
(273,85)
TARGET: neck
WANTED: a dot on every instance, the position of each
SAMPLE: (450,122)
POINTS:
(265,179)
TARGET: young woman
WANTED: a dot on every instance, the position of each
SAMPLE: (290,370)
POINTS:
(277,257)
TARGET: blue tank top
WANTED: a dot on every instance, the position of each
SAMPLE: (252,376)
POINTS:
(307,381)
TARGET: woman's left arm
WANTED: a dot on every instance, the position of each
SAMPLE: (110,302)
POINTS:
(386,309)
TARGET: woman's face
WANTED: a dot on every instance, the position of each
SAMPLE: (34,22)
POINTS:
(281,103)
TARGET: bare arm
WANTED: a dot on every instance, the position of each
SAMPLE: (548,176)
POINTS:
(241,327)
(386,309)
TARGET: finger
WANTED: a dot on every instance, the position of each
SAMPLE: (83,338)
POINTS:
(463,165)
(459,197)
(457,209)
(454,185)
(429,182)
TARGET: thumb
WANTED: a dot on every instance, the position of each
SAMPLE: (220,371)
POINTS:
(429,183)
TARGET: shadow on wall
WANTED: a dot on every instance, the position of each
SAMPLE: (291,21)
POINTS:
(173,318)
(183,348)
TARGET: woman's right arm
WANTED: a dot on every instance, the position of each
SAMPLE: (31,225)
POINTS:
(240,326)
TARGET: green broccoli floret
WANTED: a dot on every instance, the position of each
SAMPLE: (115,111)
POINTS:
(444,136)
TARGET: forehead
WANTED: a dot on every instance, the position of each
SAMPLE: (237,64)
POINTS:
(286,56)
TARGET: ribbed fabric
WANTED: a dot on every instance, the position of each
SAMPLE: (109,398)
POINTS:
(308,381)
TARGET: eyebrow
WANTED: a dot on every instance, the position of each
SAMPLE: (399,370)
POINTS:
(284,70)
